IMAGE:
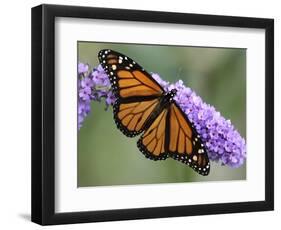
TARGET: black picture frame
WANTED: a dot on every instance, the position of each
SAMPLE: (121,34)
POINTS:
(43,114)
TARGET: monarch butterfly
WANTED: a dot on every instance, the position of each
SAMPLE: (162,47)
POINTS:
(142,106)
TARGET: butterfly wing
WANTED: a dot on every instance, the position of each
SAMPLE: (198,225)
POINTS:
(152,142)
(131,117)
(184,142)
(137,93)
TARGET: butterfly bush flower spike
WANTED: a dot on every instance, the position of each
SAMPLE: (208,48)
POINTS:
(84,93)
(92,86)
(223,142)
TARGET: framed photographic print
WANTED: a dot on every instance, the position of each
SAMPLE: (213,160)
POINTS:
(143,114)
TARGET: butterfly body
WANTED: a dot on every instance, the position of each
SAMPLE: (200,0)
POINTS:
(143,107)
(164,102)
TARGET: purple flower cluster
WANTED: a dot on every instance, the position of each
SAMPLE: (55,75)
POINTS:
(223,142)
(84,93)
(94,86)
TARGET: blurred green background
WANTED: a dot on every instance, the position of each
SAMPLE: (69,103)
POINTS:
(217,75)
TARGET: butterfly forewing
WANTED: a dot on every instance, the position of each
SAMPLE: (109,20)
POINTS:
(128,78)
(137,93)
(184,143)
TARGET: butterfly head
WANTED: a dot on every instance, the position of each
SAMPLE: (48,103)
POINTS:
(173,92)
(168,96)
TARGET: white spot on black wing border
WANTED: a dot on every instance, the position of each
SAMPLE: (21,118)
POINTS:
(187,159)
(111,73)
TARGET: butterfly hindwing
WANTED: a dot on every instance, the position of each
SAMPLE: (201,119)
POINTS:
(131,117)
(152,142)
(185,144)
